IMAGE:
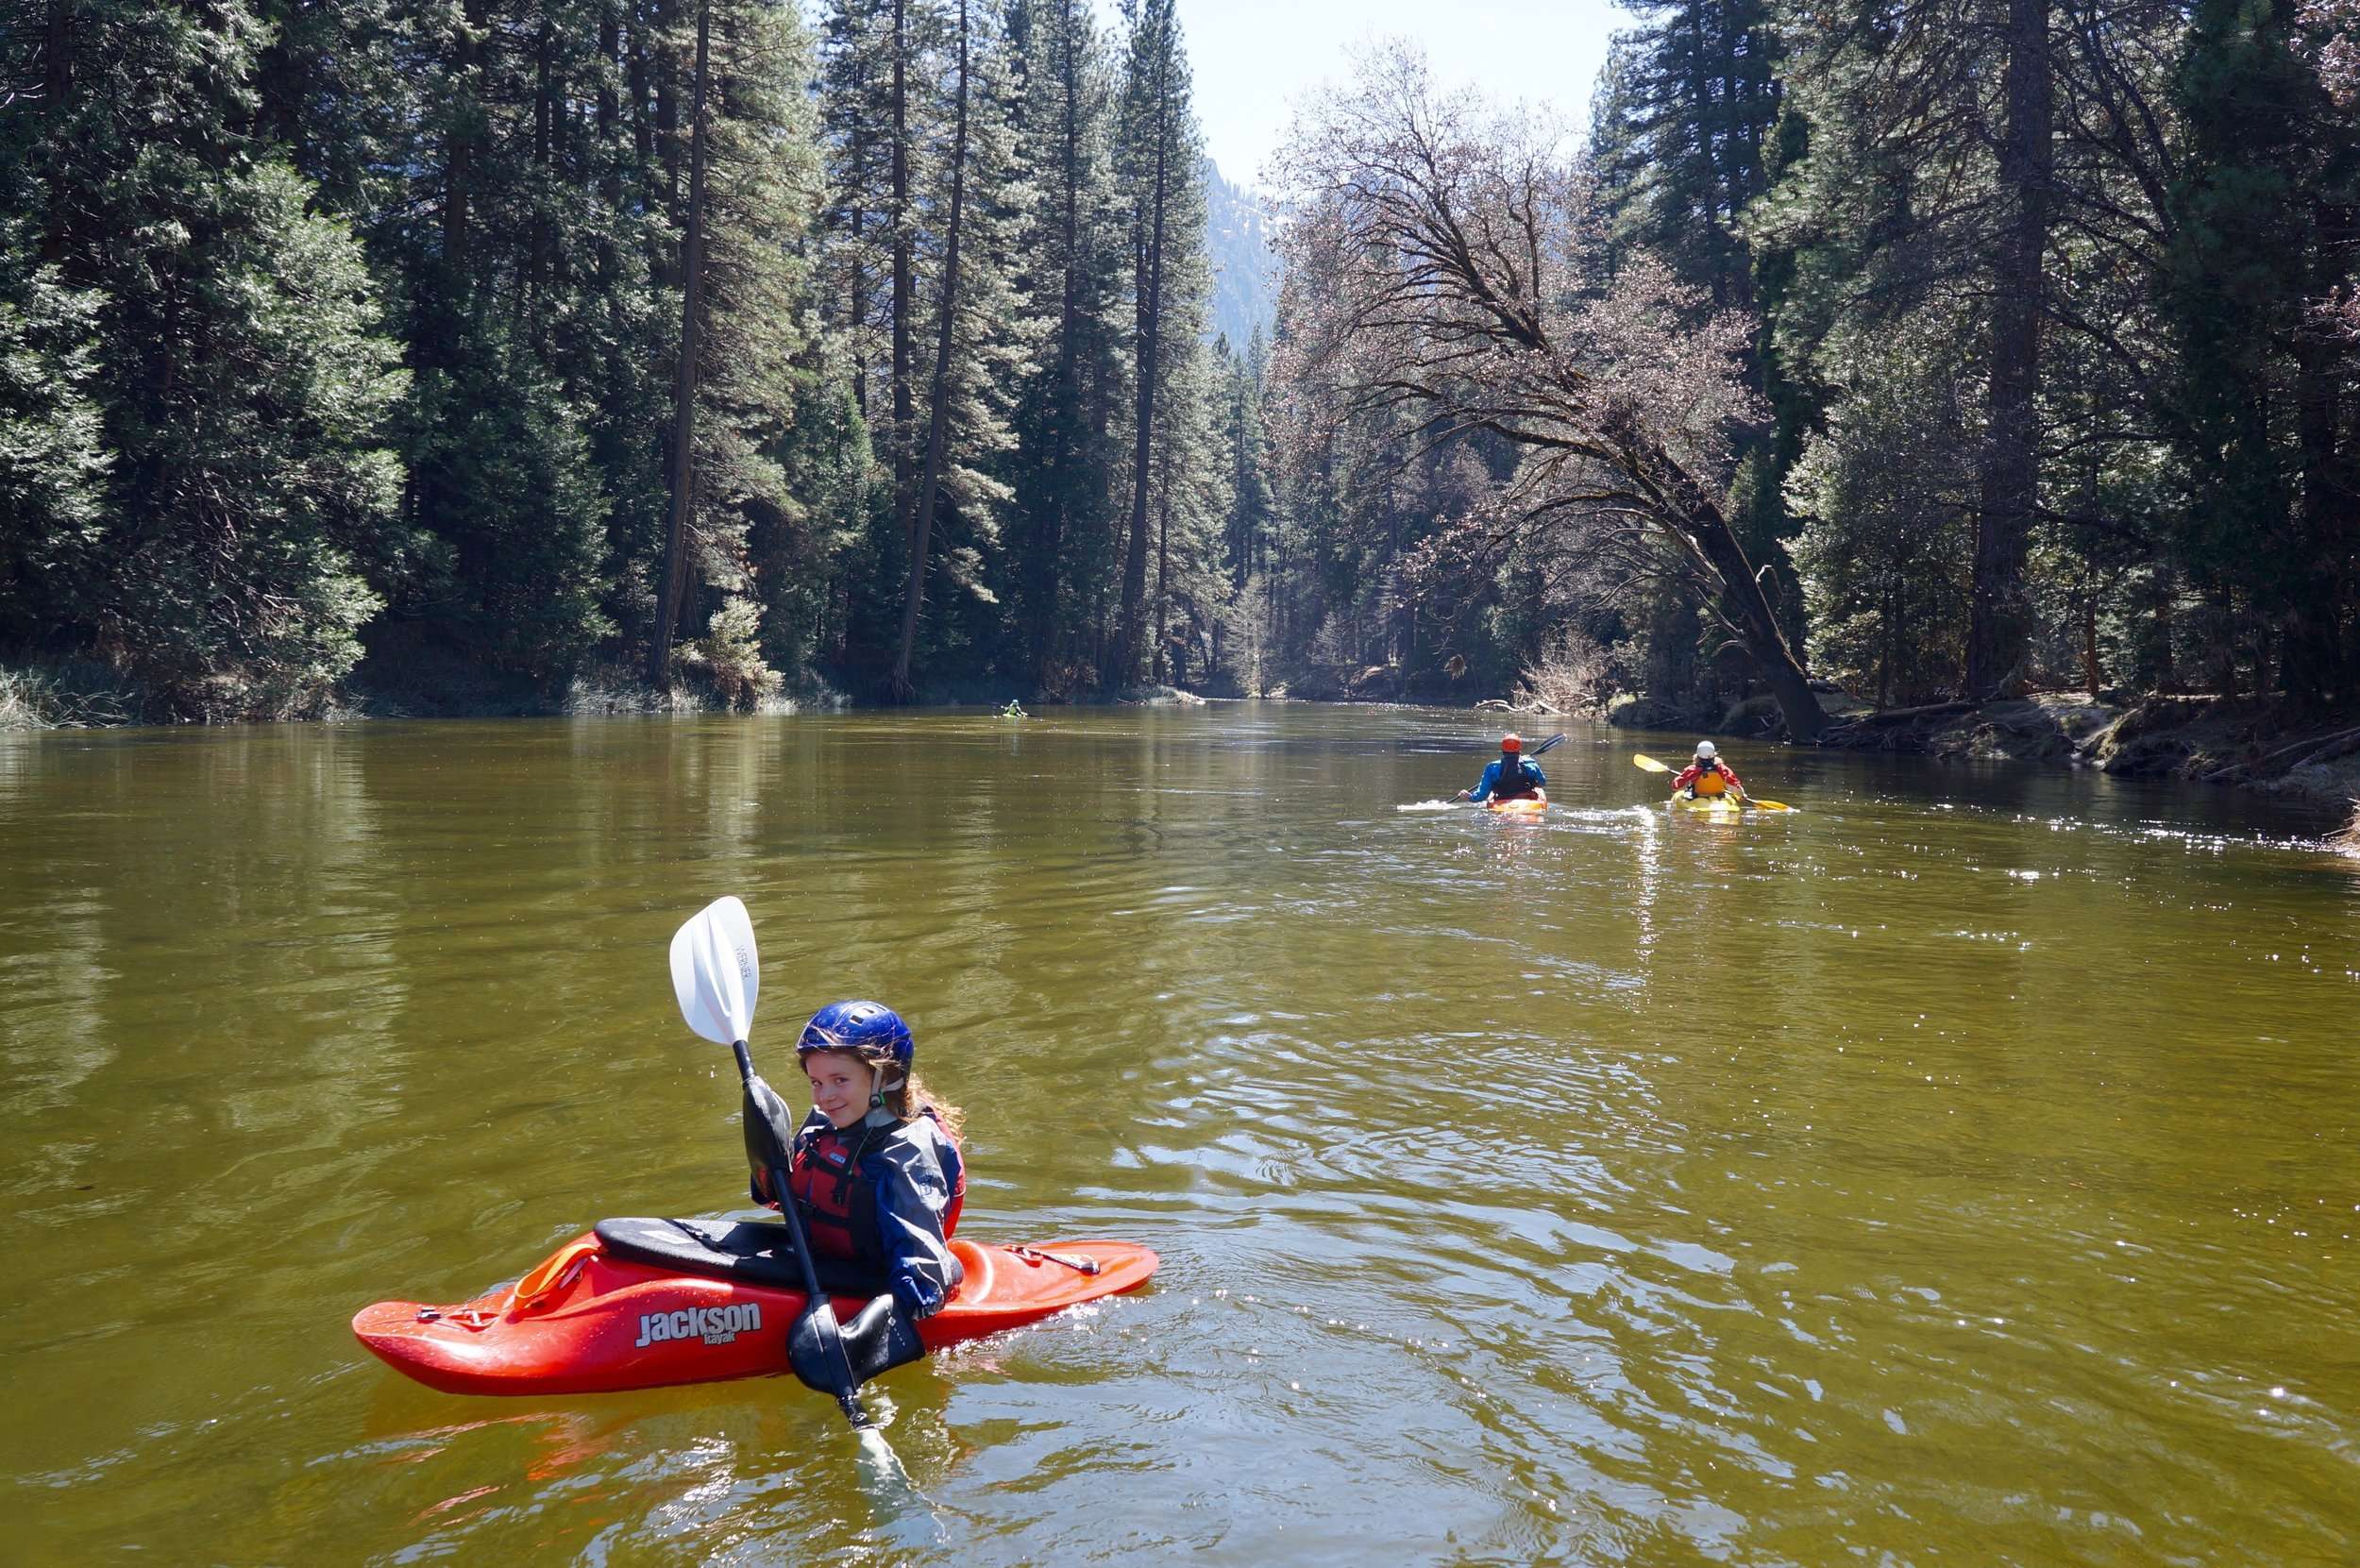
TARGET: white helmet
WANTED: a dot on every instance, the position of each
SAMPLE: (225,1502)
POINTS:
(1705,752)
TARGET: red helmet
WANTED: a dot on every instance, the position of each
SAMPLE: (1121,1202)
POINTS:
(1512,743)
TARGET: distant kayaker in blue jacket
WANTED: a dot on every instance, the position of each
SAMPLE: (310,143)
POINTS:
(875,1169)
(1511,778)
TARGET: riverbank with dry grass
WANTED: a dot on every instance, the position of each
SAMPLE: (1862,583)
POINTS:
(74,696)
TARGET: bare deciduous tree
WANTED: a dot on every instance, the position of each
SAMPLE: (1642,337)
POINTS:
(1461,288)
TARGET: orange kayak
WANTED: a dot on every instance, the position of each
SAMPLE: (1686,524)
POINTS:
(639,1303)
(1536,805)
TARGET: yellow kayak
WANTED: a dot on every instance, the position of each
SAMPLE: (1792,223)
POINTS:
(1705,805)
(1535,804)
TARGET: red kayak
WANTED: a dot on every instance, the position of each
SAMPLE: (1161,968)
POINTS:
(639,1304)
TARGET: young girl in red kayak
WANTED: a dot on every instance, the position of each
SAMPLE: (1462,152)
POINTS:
(875,1169)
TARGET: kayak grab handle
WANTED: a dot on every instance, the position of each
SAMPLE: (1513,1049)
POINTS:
(1086,1265)
(537,1289)
(559,1269)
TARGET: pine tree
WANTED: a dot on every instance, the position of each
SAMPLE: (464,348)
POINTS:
(998,337)
(248,507)
(1999,616)
(1157,159)
(1190,489)
(522,330)
(938,392)
(1684,132)
(980,333)
(688,361)
(1246,448)
(2264,206)
(53,457)
(1887,573)
(1691,100)
(1060,472)
(1925,172)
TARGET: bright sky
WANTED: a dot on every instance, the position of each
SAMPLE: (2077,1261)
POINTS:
(1254,59)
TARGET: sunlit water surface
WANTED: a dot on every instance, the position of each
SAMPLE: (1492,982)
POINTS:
(1961,1170)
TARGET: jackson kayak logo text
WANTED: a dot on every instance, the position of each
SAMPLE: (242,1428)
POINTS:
(714,1325)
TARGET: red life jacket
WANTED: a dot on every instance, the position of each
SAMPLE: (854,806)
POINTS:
(840,1204)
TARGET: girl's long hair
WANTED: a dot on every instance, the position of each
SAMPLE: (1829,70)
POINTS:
(915,1099)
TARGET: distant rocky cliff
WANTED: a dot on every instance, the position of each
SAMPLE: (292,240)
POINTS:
(1238,230)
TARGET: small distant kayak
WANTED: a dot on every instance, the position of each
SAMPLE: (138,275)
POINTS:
(1705,805)
(1523,806)
(640,1304)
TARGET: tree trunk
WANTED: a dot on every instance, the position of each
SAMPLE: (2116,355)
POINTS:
(608,113)
(1240,541)
(1700,117)
(1163,568)
(1738,596)
(1150,271)
(540,259)
(1049,530)
(938,409)
(685,386)
(856,275)
(2091,674)
(459,149)
(635,75)
(57,97)
(668,105)
(610,163)
(904,415)
(1999,623)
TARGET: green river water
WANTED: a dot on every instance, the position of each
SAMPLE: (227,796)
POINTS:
(1961,1170)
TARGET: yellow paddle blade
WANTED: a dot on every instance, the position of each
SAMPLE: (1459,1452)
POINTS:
(1759,804)
(1652,766)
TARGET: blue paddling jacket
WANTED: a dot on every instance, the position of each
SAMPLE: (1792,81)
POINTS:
(884,1193)
(1529,780)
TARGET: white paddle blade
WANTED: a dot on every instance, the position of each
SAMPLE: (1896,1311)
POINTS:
(717,972)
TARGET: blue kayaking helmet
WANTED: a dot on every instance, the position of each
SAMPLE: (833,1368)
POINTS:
(870,1030)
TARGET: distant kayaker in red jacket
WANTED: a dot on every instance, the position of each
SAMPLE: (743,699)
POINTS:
(1708,775)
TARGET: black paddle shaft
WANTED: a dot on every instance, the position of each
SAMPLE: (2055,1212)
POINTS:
(815,1300)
